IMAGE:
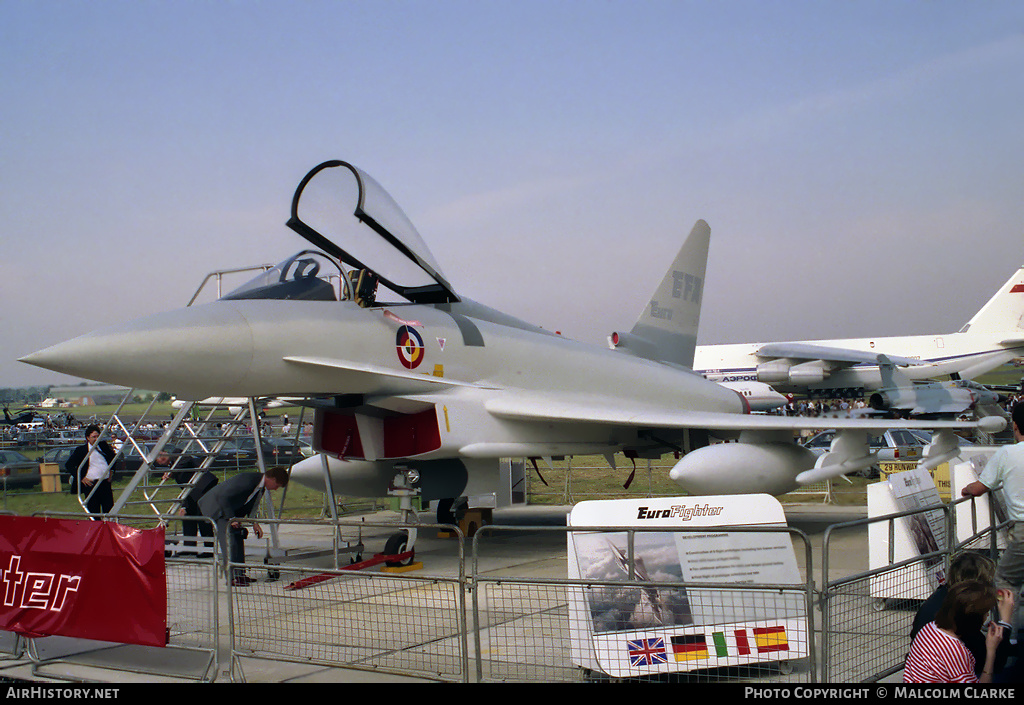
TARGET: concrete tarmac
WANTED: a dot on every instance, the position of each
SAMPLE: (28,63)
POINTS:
(539,555)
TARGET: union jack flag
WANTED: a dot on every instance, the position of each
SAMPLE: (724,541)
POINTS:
(646,652)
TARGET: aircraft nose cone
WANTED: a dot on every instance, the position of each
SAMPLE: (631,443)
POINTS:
(183,352)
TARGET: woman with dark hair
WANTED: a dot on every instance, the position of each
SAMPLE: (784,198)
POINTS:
(938,654)
(969,565)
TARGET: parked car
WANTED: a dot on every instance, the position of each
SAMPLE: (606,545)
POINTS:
(926,437)
(232,457)
(18,471)
(59,455)
(131,461)
(33,438)
(894,444)
(67,437)
(276,451)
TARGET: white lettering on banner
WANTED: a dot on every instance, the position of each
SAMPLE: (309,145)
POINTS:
(39,591)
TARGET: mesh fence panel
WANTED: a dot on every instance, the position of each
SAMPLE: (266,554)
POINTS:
(866,636)
(360,620)
(526,632)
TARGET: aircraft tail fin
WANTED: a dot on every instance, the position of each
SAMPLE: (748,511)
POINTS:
(666,330)
(891,375)
(1004,312)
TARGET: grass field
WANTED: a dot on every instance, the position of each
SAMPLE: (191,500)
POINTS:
(300,502)
(567,482)
(590,477)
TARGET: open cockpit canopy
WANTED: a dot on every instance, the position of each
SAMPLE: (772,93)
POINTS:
(350,217)
(343,211)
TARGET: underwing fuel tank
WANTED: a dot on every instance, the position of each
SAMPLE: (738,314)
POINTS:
(742,468)
(356,478)
(439,479)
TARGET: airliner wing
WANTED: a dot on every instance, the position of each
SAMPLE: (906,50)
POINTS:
(843,356)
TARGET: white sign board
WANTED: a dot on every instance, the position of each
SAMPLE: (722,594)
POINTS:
(912,536)
(924,532)
(624,630)
(971,520)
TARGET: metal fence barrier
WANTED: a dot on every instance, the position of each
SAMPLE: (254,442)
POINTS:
(193,597)
(398,622)
(518,628)
(509,620)
(525,629)
(867,618)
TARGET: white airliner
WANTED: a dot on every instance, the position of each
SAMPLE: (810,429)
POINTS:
(759,396)
(234,404)
(993,337)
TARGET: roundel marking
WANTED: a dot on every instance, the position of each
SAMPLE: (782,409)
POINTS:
(409,344)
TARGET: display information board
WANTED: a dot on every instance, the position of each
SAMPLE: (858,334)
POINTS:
(924,532)
(915,490)
(699,619)
(973,518)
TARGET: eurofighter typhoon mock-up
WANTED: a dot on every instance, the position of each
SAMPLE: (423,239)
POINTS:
(404,371)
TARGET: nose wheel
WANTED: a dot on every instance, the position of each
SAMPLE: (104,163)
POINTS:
(403,542)
(399,544)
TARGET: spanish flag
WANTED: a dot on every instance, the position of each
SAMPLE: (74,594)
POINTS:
(771,639)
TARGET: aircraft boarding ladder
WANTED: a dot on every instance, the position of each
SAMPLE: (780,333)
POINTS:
(202,439)
(198,431)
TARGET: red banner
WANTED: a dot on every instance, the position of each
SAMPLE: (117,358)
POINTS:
(85,579)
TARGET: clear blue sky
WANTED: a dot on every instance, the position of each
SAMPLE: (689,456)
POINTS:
(860,163)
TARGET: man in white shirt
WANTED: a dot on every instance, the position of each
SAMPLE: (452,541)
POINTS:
(1005,470)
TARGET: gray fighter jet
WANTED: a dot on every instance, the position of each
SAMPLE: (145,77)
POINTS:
(405,371)
(901,394)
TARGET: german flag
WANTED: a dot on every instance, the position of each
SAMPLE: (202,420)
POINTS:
(689,647)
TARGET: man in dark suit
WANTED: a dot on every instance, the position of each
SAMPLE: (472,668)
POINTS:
(91,468)
(182,472)
(233,499)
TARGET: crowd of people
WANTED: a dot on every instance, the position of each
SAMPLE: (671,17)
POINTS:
(850,406)
(822,407)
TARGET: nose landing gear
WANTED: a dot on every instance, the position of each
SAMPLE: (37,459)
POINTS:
(402,544)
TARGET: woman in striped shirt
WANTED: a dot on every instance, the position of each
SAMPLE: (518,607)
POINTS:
(938,654)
